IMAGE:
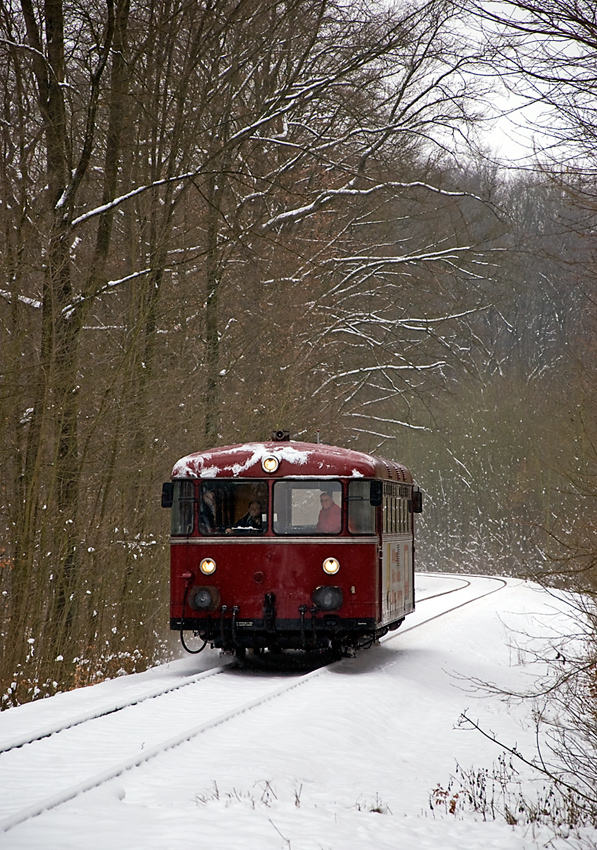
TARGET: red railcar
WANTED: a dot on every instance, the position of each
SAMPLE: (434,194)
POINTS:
(290,545)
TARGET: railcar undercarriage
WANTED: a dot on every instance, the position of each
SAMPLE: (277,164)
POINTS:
(229,631)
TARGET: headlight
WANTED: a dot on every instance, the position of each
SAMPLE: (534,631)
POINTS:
(331,566)
(270,463)
(328,598)
(204,598)
(207,566)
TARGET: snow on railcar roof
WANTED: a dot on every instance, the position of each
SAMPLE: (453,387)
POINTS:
(295,460)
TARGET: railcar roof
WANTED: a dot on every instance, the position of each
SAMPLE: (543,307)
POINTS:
(296,460)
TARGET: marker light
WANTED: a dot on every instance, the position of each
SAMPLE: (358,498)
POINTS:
(207,566)
(331,566)
(270,463)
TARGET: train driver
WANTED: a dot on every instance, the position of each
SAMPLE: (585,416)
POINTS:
(252,519)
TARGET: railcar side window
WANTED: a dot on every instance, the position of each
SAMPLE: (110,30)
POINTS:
(307,507)
(183,508)
(361,513)
(397,508)
(237,507)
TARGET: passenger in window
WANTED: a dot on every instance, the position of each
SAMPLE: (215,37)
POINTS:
(207,512)
(330,515)
(252,519)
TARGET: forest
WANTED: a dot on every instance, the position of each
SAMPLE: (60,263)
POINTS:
(223,217)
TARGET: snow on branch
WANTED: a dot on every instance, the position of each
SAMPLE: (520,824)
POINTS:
(415,324)
(373,433)
(391,367)
(38,54)
(390,421)
(330,195)
(132,194)
(426,256)
(107,287)
(30,302)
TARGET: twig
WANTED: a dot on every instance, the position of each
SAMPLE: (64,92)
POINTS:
(542,769)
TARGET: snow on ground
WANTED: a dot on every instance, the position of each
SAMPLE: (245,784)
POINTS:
(347,761)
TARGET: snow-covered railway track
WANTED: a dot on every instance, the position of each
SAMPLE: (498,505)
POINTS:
(41,780)
(104,710)
(123,740)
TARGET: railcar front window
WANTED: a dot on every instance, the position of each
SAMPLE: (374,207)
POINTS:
(307,507)
(183,508)
(361,513)
(233,507)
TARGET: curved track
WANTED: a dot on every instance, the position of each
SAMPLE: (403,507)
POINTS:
(469,589)
(198,704)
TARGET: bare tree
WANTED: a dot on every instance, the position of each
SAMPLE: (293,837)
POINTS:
(58,135)
(328,171)
(546,55)
(223,215)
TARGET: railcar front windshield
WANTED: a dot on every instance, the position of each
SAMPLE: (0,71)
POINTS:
(236,507)
(308,507)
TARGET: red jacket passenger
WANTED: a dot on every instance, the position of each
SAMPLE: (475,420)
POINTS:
(330,515)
